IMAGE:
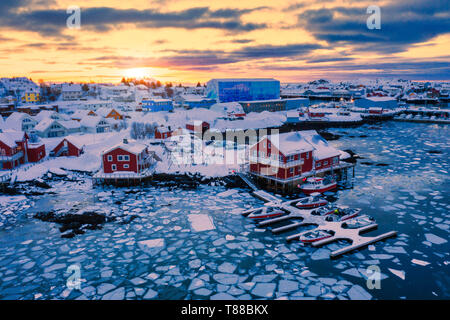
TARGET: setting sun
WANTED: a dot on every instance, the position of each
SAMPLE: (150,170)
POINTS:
(137,73)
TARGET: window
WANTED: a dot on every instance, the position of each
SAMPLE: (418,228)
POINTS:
(126,166)
(307,155)
(126,158)
(268,145)
(291,170)
(110,158)
(318,164)
(113,167)
(325,163)
(119,158)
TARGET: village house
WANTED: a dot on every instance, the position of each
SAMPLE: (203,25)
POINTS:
(68,147)
(49,128)
(155,105)
(13,149)
(70,92)
(109,113)
(80,114)
(163,132)
(288,157)
(19,121)
(94,124)
(35,151)
(128,156)
(197,126)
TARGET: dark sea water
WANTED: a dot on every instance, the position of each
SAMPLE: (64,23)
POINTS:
(402,180)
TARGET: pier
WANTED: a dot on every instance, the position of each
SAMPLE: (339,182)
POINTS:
(304,218)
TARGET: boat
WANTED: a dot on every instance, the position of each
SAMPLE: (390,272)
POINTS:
(343,214)
(358,222)
(316,184)
(311,202)
(315,235)
(265,213)
(323,211)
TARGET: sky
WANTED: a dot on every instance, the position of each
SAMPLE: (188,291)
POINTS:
(186,41)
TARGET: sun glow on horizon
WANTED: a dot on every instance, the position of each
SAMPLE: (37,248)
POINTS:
(136,73)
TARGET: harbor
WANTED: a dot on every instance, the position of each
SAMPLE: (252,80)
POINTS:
(225,254)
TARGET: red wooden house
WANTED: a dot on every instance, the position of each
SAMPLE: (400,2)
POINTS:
(283,156)
(163,132)
(129,156)
(36,151)
(68,147)
(198,126)
(13,149)
(288,156)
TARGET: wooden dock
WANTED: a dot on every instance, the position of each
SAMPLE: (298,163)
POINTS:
(304,217)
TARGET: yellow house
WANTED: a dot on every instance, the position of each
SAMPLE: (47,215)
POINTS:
(31,97)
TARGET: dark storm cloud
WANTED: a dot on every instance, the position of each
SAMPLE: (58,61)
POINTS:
(403,23)
(52,22)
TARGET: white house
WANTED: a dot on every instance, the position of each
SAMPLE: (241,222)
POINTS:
(71,92)
(94,124)
(49,128)
(20,121)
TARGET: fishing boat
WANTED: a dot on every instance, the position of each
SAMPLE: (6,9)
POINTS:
(358,222)
(265,213)
(343,214)
(311,202)
(315,235)
(316,184)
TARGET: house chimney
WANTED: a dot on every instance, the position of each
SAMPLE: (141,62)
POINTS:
(125,141)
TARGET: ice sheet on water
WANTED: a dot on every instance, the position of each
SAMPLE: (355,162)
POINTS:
(398,273)
(227,267)
(420,262)
(264,290)
(226,278)
(321,254)
(356,292)
(434,238)
(201,222)
(227,193)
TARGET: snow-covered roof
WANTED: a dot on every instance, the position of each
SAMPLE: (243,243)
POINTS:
(322,150)
(91,121)
(10,137)
(14,121)
(44,124)
(80,114)
(131,146)
(44,114)
(290,143)
(70,124)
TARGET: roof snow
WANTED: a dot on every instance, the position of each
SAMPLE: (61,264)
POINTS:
(10,137)
(290,143)
(132,146)
(90,121)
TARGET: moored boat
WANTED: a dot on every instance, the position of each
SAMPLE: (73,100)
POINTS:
(311,202)
(358,222)
(265,213)
(316,184)
(315,235)
(343,214)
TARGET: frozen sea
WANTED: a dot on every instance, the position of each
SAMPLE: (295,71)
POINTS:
(194,244)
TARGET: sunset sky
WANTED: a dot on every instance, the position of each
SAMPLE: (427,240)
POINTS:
(195,40)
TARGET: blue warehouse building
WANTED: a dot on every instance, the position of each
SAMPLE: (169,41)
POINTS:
(231,90)
(154,105)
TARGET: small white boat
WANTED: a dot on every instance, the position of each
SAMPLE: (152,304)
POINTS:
(316,184)
(323,211)
(343,214)
(310,202)
(315,235)
(265,213)
(358,222)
